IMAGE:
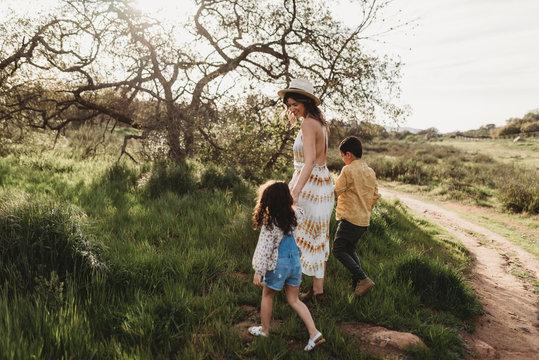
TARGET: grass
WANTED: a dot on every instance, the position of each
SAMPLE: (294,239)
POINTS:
(477,177)
(173,239)
(478,174)
(521,230)
(523,153)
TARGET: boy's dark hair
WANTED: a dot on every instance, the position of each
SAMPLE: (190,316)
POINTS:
(274,207)
(352,144)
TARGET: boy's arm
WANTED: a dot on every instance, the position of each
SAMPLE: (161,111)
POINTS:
(340,183)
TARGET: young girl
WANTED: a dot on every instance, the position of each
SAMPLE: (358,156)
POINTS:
(277,257)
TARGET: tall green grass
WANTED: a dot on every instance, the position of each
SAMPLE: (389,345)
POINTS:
(174,244)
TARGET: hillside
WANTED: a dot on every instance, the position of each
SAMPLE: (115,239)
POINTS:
(160,268)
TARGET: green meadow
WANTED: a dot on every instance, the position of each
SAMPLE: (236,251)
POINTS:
(116,260)
(498,174)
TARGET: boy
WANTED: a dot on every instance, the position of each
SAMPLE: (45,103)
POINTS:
(356,191)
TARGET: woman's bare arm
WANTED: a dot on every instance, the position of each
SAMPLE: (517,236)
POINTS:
(308,129)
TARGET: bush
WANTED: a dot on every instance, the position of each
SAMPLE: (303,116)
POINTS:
(438,286)
(176,178)
(119,176)
(409,171)
(530,127)
(509,129)
(41,240)
(214,177)
(519,191)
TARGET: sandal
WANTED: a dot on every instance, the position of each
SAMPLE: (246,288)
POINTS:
(314,342)
(257,331)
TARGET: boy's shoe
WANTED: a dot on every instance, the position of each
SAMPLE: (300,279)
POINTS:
(306,296)
(363,286)
(309,295)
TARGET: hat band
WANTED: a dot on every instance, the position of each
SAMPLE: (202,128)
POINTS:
(297,89)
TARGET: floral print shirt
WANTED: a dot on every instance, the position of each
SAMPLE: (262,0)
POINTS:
(267,248)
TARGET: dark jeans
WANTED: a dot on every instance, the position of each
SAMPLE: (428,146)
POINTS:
(344,248)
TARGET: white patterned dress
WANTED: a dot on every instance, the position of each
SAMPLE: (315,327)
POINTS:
(316,199)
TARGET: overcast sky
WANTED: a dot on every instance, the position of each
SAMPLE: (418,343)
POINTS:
(468,63)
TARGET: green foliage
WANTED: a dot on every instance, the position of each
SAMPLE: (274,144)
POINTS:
(519,191)
(471,177)
(406,170)
(214,177)
(438,286)
(30,330)
(485,131)
(179,269)
(529,123)
(176,178)
(40,238)
(509,129)
(530,127)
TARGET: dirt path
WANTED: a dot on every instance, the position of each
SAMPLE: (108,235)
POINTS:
(510,327)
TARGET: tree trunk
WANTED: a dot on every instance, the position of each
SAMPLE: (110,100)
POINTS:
(173,134)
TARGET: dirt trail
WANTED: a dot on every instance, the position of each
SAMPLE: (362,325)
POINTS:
(510,327)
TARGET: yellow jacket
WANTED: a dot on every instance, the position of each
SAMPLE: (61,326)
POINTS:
(357,192)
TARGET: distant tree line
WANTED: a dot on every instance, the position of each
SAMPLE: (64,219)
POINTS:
(529,123)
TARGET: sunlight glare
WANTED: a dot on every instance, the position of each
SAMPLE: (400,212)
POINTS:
(165,9)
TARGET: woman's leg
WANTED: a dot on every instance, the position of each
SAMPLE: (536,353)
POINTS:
(266,307)
(301,309)
(318,283)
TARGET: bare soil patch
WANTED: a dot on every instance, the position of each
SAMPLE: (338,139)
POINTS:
(509,329)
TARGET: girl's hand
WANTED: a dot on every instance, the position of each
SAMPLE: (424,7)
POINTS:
(257,280)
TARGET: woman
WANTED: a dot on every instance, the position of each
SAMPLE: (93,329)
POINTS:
(311,186)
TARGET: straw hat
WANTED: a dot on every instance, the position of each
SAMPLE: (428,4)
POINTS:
(300,86)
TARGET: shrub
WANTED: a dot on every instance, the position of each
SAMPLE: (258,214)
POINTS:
(509,129)
(334,161)
(120,176)
(214,177)
(438,286)
(158,324)
(530,127)
(177,178)
(519,191)
(428,159)
(409,171)
(41,240)
(482,158)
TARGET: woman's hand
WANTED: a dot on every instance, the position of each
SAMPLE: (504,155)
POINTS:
(257,280)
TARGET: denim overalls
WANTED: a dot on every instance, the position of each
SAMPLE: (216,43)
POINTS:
(288,269)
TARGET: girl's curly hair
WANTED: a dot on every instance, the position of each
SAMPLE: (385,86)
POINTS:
(274,207)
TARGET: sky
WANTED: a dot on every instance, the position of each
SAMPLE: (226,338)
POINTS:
(467,63)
